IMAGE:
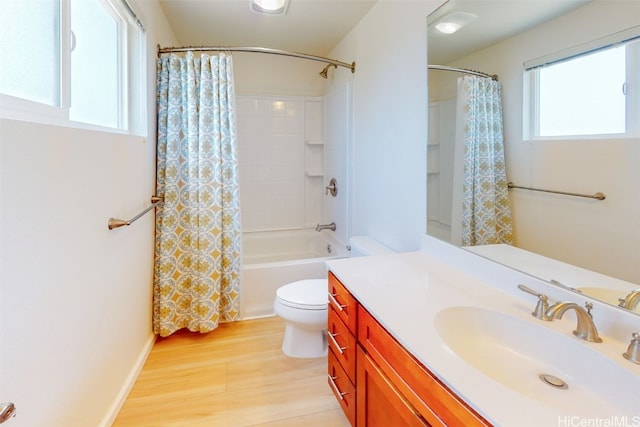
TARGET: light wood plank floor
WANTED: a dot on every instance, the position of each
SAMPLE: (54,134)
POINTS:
(235,376)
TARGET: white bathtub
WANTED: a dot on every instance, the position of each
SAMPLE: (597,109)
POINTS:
(274,258)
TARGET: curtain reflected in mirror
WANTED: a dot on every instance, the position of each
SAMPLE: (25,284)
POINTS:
(470,137)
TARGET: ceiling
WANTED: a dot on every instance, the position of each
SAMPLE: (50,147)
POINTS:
(313,27)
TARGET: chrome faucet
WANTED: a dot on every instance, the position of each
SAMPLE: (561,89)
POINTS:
(331,227)
(586,329)
(630,302)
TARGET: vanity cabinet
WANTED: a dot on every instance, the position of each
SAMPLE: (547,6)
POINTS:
(391,387)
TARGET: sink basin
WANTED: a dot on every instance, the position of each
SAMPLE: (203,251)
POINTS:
(515,353)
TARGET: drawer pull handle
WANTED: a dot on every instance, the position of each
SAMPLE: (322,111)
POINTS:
(334,301)
(335,388)
(332,337)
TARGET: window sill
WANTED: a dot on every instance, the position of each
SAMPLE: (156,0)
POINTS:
(577,138)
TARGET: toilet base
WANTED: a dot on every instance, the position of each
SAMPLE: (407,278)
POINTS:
(304,343)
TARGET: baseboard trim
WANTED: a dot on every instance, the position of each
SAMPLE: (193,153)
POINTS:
(120,398)
(261,316)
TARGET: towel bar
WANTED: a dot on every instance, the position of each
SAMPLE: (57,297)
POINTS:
(116,223)
(598,195)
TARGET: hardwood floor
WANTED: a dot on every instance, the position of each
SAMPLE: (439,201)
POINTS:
(235,376)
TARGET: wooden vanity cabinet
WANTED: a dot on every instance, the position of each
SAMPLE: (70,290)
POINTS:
(391,387)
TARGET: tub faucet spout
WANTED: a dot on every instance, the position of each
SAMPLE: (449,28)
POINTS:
(331,227)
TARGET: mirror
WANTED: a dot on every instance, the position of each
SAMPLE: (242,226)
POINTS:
(587,245)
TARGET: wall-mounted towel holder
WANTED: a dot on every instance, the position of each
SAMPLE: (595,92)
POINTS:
(117,223)
(598,195)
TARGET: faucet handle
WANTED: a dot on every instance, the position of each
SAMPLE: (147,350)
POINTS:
(540,312)
(589,306)
(331,188)
(633,352)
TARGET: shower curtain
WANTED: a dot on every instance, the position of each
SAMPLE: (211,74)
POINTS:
(197,246)
(486,214)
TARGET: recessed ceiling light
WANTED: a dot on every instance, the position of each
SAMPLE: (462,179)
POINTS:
(447,27)
(269,7)
(452,22)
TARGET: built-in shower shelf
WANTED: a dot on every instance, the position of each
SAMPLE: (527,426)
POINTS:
(314,142)
(314,174)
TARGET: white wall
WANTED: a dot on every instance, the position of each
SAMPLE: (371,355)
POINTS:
(600,236)
(388,168)
(76,297)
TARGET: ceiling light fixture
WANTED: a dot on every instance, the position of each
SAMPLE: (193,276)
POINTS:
(269,7)
(452,22)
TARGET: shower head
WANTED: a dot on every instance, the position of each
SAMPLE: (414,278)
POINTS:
(323,73)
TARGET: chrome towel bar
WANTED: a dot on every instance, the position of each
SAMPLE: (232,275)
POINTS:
(598,195)
(116,223)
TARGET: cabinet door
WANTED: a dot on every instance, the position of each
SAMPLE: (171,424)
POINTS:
(439,405)
(379,404)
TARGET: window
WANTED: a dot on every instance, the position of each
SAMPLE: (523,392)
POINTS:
(77,61)
(95,58)
(590,90)
(23,45)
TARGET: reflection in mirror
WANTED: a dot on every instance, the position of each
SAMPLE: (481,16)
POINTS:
(586,245)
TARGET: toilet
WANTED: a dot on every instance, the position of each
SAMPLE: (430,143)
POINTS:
(304,306)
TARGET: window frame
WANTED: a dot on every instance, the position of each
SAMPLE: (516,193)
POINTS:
(531,86)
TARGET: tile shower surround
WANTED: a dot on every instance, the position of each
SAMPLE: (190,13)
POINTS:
(281,156)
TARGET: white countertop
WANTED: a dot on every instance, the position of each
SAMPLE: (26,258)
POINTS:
(405,291)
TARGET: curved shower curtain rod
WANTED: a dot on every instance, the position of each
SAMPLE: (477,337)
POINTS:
(462,70)
(329,61)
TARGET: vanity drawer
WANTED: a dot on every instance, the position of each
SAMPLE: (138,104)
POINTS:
(419,386)
(343,344)
(342,388)
(343,303)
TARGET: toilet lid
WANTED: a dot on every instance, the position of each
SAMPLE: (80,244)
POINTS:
(310,294)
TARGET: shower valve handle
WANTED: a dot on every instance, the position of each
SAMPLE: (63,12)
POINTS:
(332,188)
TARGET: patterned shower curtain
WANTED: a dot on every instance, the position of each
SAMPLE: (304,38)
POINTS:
(197,247)
(486,214)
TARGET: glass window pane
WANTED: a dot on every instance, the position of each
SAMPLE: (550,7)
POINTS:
(583,96)
(95,93)
(30,50)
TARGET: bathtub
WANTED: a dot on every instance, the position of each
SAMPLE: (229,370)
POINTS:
(273,258)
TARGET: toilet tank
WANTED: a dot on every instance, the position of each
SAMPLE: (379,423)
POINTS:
(367,246)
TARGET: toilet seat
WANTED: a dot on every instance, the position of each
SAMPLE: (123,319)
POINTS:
(308,294)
